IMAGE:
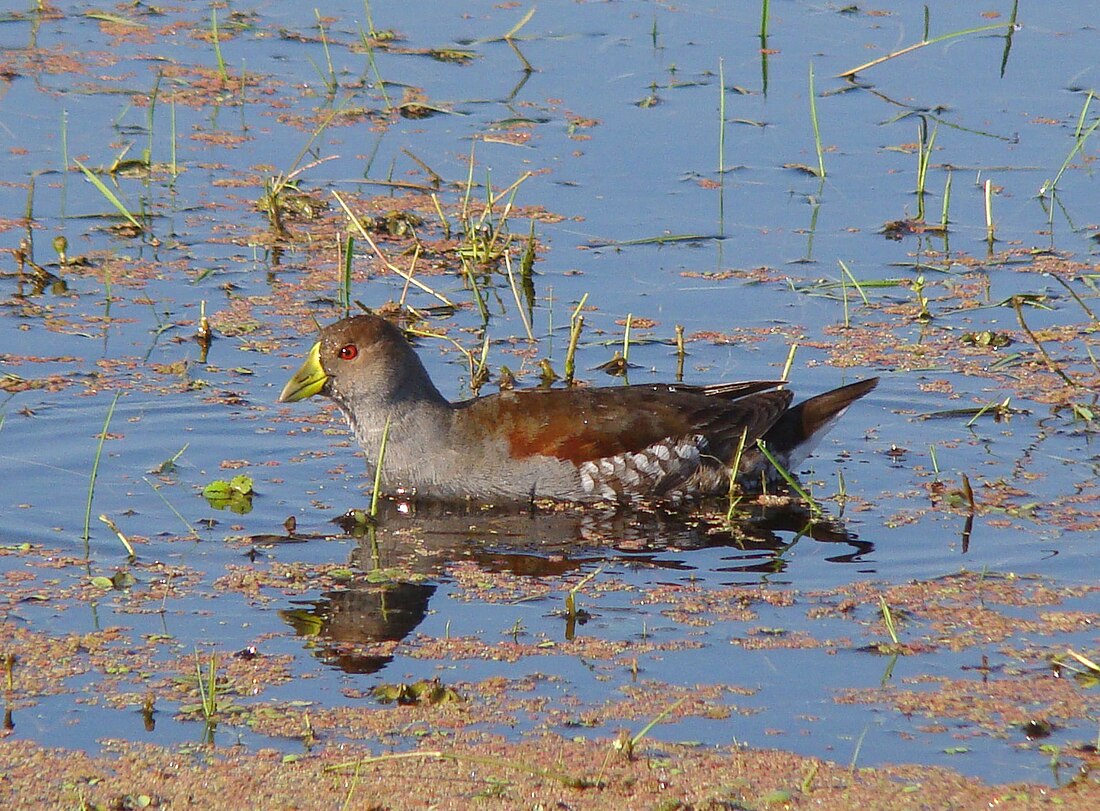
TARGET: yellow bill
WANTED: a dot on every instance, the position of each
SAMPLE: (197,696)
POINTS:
(308,380)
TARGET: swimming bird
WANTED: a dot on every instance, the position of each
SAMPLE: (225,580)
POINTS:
(651,442)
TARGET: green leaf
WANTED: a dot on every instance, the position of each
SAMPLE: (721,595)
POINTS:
(217,489)
(236,495)
(123,580)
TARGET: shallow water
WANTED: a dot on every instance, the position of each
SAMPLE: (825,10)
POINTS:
(605,169)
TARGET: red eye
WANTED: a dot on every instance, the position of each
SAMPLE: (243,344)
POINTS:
(349,352)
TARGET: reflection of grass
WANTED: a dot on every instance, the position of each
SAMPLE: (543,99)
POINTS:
(510,38)
(663,239)
(64,140)
(150,113)
(156,489)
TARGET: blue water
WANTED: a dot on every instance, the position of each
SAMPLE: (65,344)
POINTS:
(637,172)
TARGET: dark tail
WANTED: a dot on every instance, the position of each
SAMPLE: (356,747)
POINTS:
(799,430)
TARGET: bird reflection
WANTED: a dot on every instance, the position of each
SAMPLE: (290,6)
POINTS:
(350,628)
(341,623)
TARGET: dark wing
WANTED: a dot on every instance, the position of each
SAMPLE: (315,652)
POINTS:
(799,425)
(727,391)
(587,425)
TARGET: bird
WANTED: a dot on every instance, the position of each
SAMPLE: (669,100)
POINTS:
(641,443)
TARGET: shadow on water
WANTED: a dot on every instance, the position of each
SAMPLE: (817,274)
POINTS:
(346,627)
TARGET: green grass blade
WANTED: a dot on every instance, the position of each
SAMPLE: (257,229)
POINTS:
(95,466)
(108,194)
(815,509)
(376,490)
(910,48)
(817,130)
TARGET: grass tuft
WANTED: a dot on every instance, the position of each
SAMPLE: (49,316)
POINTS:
(406,275)
(925,145)
(626,746)
(215,37)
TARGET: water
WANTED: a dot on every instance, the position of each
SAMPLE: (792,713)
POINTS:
(604,169)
